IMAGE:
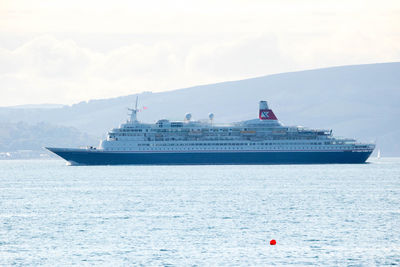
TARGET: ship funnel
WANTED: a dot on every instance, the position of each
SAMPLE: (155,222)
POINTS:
(265,113)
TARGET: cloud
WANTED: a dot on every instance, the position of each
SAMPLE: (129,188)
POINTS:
(241,58)
(46,69)
(139,60)
(180,43)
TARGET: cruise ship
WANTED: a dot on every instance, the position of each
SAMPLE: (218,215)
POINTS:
(264,140)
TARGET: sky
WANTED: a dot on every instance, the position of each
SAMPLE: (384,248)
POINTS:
(64,52)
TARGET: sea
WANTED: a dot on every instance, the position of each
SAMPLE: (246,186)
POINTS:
(327,215)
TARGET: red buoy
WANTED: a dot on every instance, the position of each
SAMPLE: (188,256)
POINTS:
(272,242)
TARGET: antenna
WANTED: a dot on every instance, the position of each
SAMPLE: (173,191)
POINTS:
(136,102)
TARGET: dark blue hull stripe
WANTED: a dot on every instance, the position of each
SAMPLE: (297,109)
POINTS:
(190,158)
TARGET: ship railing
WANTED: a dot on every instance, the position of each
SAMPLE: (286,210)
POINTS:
(222,124)
(365,143)
(304,129)
(344,140)
(351,141)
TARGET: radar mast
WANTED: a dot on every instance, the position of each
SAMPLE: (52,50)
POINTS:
(133,118)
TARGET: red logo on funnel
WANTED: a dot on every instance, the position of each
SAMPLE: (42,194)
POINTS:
(267,114)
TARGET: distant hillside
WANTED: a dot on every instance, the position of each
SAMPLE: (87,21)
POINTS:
(359,101)
(38,106)
(23,136)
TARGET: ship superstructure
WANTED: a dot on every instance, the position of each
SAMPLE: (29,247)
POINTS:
(260,141)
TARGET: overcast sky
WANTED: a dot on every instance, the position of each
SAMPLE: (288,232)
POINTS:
(59,51)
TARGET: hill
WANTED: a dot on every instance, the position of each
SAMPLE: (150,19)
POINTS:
(24,136)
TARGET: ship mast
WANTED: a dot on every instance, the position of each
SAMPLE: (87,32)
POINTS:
(133,118)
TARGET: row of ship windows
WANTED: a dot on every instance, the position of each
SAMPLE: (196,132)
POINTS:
(194,130)
(130,130)
(226,144)
(116,136)
(164,130)
(191,148)
(128,134)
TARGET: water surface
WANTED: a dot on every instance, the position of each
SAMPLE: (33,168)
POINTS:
(52,214)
